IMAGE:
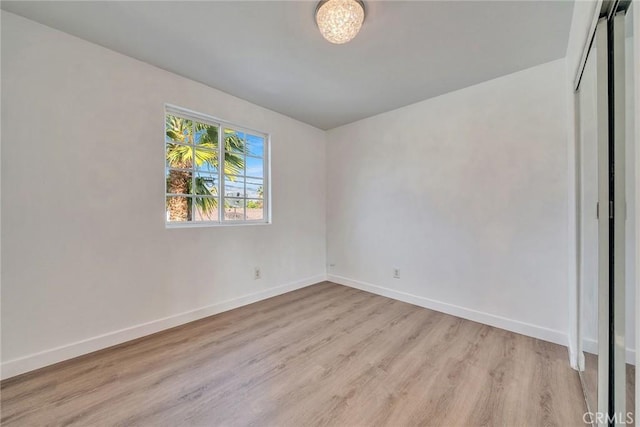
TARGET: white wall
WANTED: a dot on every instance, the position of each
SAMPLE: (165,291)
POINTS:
(85,249)
(466,193)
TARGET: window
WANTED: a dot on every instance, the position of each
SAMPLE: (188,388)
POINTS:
(215,172)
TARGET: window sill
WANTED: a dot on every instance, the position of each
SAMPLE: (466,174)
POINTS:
(169,225)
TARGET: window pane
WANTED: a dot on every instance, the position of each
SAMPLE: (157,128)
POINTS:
(255,210)
(234,186)
(206,160)
(178,129)
(206,184)
(234,141)
(206,136)
(206,209)
(255,145)
(178,182)
(179,156)
(255,188)
(255,167)
(234,209)
(178,209)
(234,163)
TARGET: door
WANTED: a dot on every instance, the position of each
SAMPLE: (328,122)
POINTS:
(604,160)
(593,156)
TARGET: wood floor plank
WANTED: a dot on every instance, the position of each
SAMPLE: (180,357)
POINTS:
(324,355)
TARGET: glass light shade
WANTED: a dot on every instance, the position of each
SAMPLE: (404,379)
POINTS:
(339,20)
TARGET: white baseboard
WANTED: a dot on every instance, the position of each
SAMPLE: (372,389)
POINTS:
(591,346)
(28,363)
(545,334)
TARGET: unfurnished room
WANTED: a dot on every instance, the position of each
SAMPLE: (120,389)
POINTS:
(319,213)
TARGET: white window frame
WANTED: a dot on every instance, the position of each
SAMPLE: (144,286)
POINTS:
(266,168)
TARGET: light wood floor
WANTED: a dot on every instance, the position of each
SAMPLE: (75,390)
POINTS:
(322,355)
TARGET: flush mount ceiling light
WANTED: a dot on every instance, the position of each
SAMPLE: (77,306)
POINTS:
(339,20)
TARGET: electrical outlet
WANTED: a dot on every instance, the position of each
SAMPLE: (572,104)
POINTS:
(257,274)
(396,273)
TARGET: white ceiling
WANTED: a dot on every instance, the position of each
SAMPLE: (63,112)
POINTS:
(272,54)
